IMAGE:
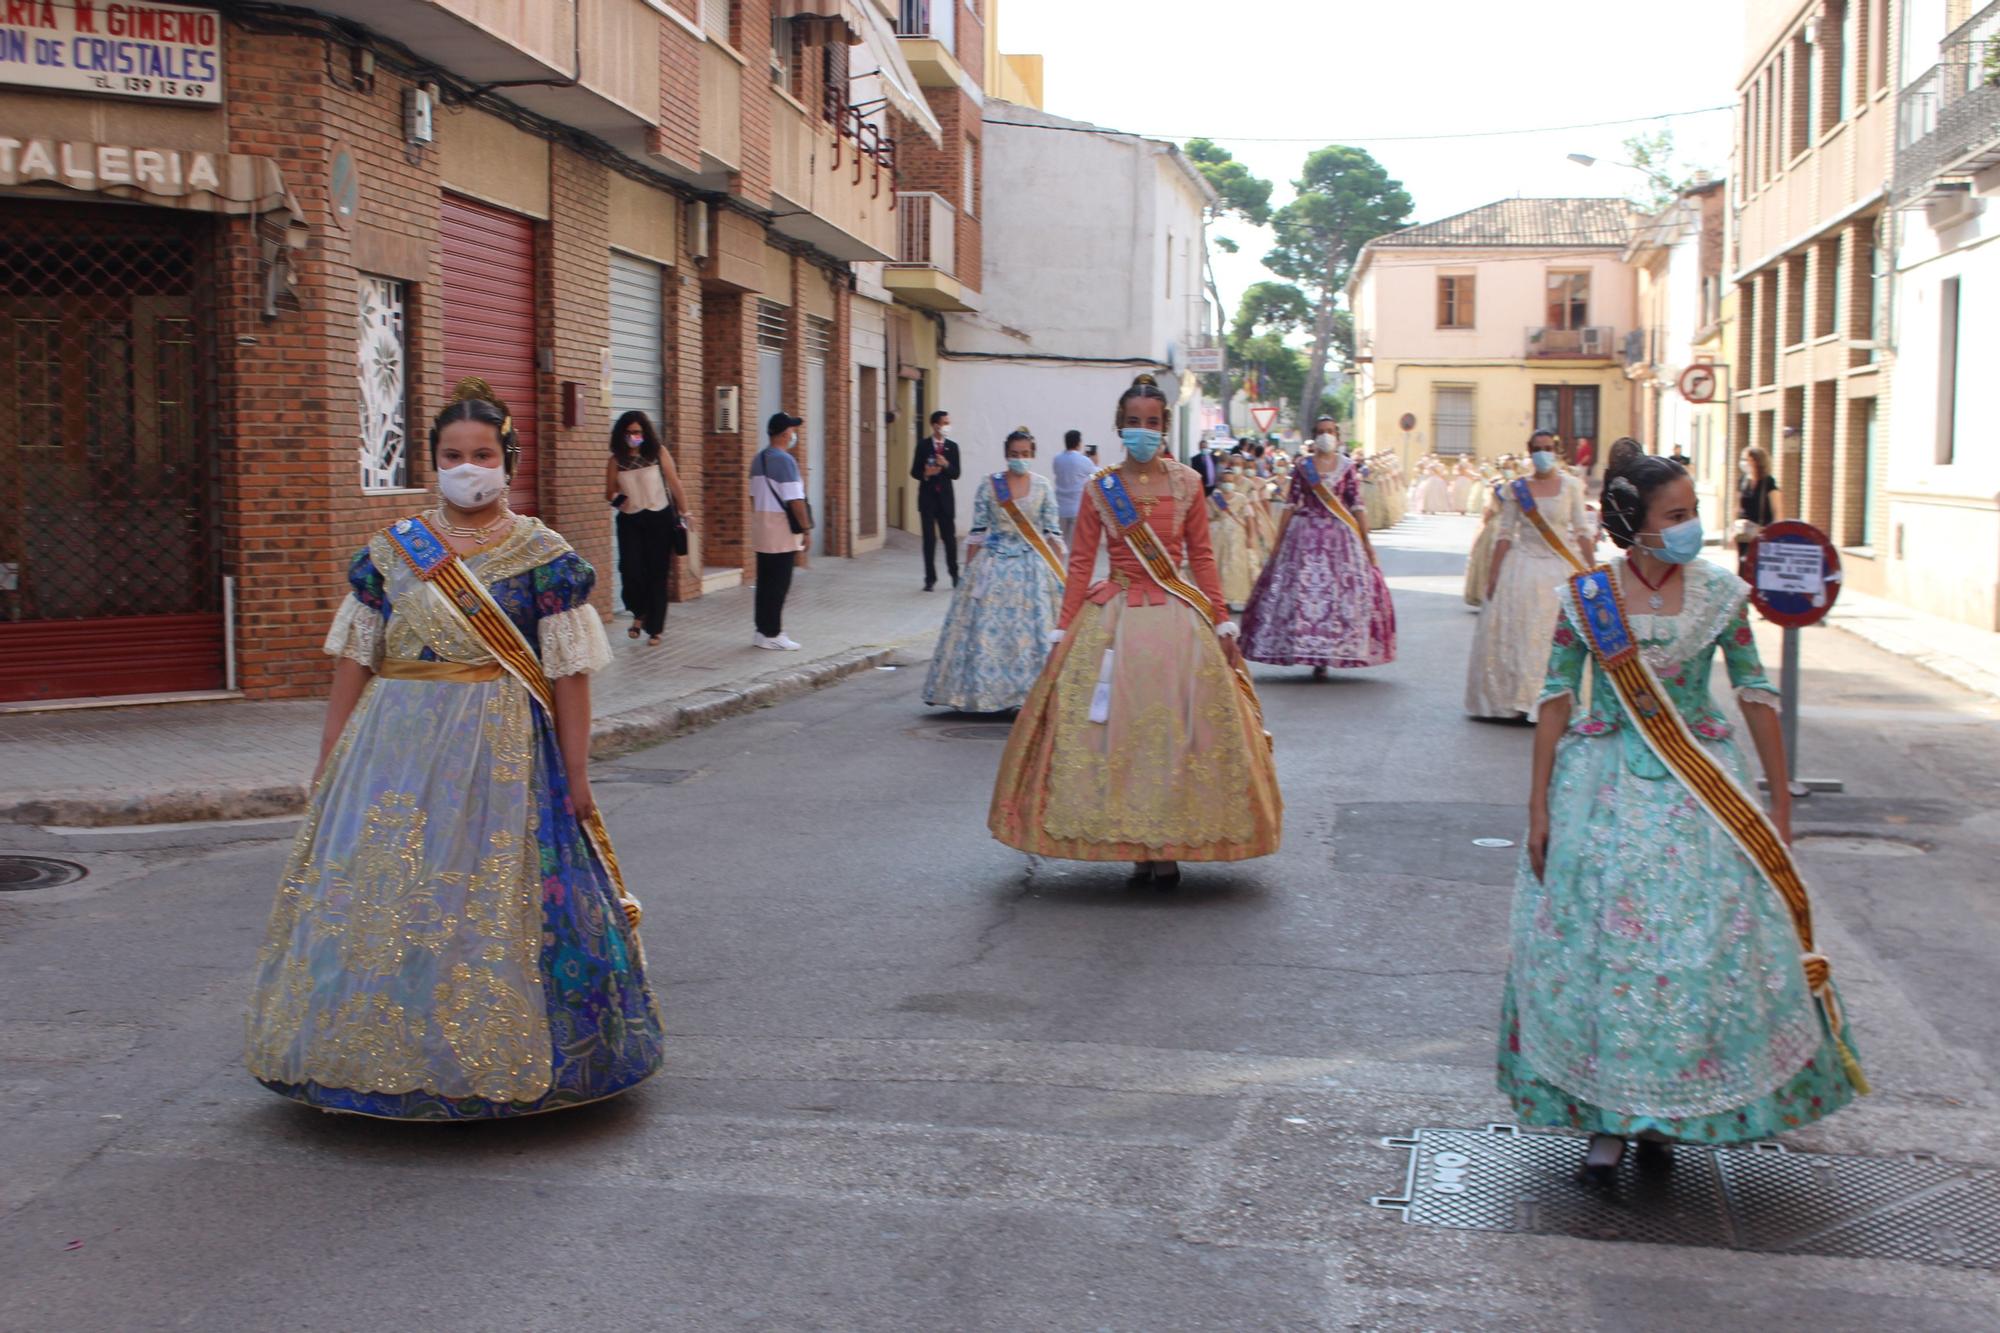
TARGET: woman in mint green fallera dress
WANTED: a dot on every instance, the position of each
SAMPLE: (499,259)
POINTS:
(1656,990)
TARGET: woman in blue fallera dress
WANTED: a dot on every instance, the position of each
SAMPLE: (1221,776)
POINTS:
(1657,990)
(447,944)
(996,635)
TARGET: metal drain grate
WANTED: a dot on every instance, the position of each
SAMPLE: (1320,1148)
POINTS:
(1760,1198)
(20,874)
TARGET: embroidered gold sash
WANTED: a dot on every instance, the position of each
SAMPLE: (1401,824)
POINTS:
(1323,489)
(1004,497)
(1606,631)
(1124,519)
(434,563)
(1532,511)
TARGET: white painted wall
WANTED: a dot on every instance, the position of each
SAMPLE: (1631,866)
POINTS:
(1094,243)
(1941,525)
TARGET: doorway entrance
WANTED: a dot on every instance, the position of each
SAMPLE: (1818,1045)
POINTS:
(110,562)
(1570,410)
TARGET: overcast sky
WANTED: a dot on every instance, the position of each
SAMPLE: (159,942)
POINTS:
(1331,71)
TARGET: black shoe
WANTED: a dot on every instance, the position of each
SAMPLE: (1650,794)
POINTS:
(1655,1156)
(929,584)
(1600,1165)
(954,580)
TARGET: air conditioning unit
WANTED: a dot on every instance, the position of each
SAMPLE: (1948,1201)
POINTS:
(1948,205)
(728,409)
(1593,341)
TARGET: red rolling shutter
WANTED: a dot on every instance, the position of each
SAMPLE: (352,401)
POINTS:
(489,318)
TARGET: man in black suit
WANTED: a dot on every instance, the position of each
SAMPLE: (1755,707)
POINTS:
(934,471)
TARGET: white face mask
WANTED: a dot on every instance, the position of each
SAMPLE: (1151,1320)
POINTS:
(470,486)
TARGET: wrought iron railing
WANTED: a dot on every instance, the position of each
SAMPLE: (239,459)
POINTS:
(1948,120)
(1592,341)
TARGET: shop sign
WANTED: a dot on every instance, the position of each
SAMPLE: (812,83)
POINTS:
(162,53)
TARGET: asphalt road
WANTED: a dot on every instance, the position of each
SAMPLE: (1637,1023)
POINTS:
(919,1082)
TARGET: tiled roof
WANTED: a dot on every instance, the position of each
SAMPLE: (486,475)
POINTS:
(1536,222)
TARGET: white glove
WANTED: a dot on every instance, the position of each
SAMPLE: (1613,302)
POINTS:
(1227,629)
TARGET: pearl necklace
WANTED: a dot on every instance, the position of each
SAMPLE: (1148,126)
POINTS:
(479,534)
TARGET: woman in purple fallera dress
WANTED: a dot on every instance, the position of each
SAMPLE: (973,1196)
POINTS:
(1321,601)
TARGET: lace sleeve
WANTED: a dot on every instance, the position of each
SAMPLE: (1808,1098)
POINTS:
(573,642)
(356,632)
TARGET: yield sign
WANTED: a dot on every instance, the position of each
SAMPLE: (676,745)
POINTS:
(1264,416)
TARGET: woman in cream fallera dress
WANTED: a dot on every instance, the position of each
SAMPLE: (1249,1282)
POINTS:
(1229,520)
(1510,646)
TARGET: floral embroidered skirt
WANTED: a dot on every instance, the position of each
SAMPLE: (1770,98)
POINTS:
(995,637)
(1510,644)
(1178,770)
(1656,983)
(1321,601)
(445,944)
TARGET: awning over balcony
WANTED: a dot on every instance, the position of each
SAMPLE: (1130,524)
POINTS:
(894,82)
(847,13)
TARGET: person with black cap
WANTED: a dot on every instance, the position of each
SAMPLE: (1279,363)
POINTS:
(779,522)
(935,469)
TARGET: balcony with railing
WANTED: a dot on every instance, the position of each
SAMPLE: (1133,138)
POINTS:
(1592,342)
(927,31)
(925,270)
(1948,120)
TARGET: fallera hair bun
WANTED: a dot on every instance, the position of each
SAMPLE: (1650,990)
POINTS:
(472,387)
(1146,378)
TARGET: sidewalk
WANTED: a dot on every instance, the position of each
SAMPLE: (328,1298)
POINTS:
(235,759)
(1955,651)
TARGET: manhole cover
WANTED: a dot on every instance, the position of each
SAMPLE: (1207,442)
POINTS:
(19,874)
(966,731)
(657,777)
(1759,1197)
(1858,844)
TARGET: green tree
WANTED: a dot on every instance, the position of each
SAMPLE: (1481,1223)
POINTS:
(1345,199)
(1246,195)
(1652,155)
(1271,305)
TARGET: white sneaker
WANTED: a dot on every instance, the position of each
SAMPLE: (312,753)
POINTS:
(775,645)
(787,642)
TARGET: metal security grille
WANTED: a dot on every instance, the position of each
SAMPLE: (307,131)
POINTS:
(1453,408)
(107,455)
(773,325)
(1755,1197)
(819,338)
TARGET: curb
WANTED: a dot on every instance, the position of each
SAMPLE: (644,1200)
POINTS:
(611,735)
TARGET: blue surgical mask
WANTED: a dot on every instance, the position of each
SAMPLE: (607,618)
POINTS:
(1017,465)
(1543,459)
(1140,444)
(1680,544)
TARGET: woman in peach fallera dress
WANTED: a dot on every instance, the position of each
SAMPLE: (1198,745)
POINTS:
(1138,743)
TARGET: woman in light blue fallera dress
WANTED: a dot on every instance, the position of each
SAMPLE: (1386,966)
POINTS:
(996,636)
(1656,990)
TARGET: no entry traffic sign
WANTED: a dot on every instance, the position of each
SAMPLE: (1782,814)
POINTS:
(1794,574)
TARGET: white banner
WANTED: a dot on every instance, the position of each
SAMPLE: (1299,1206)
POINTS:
(163,53)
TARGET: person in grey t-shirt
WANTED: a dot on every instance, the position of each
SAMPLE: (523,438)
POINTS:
(1073,468)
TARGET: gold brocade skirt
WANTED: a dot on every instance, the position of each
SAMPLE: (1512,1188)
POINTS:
(1178,770)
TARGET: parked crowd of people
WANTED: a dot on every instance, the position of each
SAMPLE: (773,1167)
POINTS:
(452,937)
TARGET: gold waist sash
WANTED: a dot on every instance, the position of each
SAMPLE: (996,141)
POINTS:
(411,668)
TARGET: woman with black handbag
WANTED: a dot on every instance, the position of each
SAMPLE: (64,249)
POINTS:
(642,485)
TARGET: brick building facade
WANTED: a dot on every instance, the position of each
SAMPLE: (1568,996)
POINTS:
(266,355)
